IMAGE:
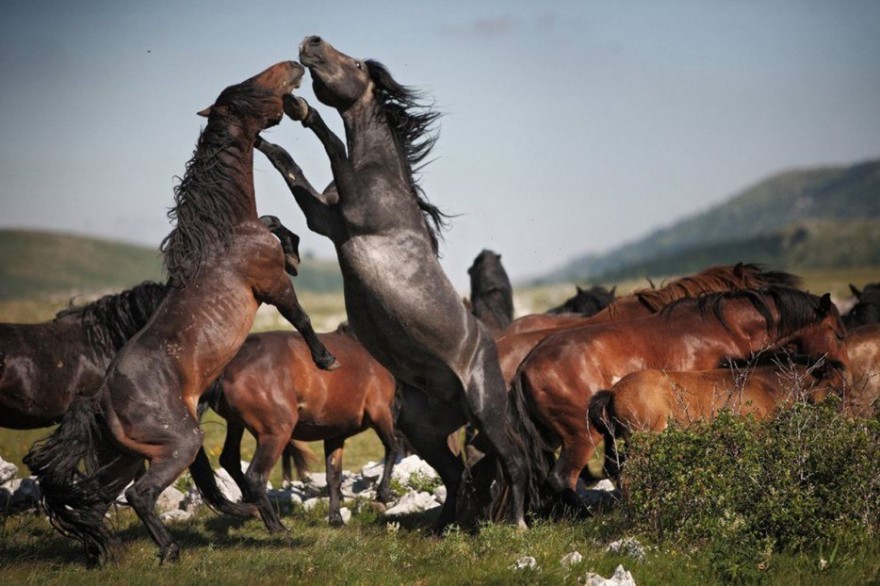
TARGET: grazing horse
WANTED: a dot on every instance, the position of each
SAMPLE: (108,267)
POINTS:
(586,302)
(399,301)
(519,339)
(862,398)
(222,263)
(44,367)
(272,389)
(491,292)
(649,400)
(867,307)
(562,373)
(647,301)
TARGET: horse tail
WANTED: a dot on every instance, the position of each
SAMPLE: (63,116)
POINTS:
(75,500)
(201,471)
(603,418)
(538,453)
(302,456)
(206,483)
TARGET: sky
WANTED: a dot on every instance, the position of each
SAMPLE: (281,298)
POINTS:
(568,127)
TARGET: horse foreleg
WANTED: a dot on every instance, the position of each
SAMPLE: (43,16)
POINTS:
(333,459)
(384,427)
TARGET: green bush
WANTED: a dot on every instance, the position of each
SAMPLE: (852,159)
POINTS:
(747,489)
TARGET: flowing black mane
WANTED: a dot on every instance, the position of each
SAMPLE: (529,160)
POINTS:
(410,121)
(209,200)
(794,307)
(112,320)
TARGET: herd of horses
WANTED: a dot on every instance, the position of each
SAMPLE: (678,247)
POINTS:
(129,375)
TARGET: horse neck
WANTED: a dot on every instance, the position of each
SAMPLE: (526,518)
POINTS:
(370,139)
(749,327)
(237,161)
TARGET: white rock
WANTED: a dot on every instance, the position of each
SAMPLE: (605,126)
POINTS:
(373,470)
(412,465)
(20,493)
(346,514)
(571,559)
(192,500)
(525,563)
(605,485)
(176,516)
(8,471)
(227,485)
(412,502)
(627,546)
(440,494)
(171,499)
(313,502)
(621,577)
(287,495)
(317,480)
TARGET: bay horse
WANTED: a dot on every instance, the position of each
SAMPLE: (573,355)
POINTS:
(44,367)
(221,263)
(401,304)
(491,292)
(515,342)
(867,307)
(649,400)
(559,377)
(651,300)
(274,390)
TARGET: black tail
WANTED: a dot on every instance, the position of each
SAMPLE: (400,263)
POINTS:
(602,417)
(539,454)
(75,499)
(202,473)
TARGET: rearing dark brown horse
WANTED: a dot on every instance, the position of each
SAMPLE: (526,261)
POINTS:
(400,302)
(222,263)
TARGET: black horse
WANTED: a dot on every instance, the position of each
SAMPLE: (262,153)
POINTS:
(586,302)
(44,367)
(222,263)
(491,292)
(867,307)
(399,301)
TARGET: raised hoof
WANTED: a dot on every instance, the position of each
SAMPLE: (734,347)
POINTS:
(170,554)
(296,107)
(327,362)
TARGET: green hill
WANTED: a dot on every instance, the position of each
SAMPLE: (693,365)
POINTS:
(42,264)
(807,218)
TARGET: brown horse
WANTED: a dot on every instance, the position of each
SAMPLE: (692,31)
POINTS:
(515,342)
(559,377)
(649,400)
(273,389)
(44,367)
(862,399)
(222,263)
(651,300)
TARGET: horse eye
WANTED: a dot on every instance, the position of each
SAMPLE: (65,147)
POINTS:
(357,64)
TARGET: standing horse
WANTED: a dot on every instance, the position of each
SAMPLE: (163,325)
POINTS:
(648,400)
(491,292)
(222,263)
(562,373)
(647,301)
(399,301)
(272,389)
(44,367)
(867,307)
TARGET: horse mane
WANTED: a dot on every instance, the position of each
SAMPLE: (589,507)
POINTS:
(411,124)
(714,279)
(795,308)
(208,201)
(112,320)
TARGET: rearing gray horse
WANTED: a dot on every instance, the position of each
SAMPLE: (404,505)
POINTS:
(399,301)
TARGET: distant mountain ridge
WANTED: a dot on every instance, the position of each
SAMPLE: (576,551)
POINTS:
(37,263)
(802,205)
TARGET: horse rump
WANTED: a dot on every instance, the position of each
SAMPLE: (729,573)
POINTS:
(67,466)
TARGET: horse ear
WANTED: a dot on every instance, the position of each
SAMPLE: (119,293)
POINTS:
(578,287)
(738,269)
(205,112)
(855,291)
(613,290)
(825,304)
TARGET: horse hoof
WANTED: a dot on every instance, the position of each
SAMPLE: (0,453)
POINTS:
(328,363)
(336,522)
(170,554)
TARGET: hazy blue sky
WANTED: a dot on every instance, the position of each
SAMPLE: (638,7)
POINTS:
(569,126)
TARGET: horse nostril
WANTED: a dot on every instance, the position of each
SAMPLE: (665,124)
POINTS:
(315,40)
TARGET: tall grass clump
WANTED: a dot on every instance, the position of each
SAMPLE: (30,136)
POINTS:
(744,490)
